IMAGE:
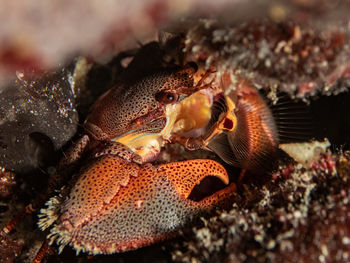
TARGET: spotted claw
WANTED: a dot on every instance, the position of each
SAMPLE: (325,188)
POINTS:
(117,205)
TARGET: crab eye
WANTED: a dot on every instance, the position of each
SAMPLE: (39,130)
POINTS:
(167,97)
(170,97)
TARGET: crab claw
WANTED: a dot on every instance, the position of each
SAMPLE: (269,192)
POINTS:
(151,205)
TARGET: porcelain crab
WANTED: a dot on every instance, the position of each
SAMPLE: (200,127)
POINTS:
(118,200)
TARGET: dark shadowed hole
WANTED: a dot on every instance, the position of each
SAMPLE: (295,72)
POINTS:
(331,118)
(42,150)
(154,253)
(3,208)
(208,186)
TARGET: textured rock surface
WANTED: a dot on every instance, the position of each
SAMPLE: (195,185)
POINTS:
(37,117)
(301,216)
(300,58)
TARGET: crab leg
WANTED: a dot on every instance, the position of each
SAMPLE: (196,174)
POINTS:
(12,224)
(44,251)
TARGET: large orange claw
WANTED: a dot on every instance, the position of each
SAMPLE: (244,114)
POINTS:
(117,205)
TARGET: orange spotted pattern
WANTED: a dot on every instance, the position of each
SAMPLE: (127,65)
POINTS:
(117,206)
(185,175)
(97,186)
